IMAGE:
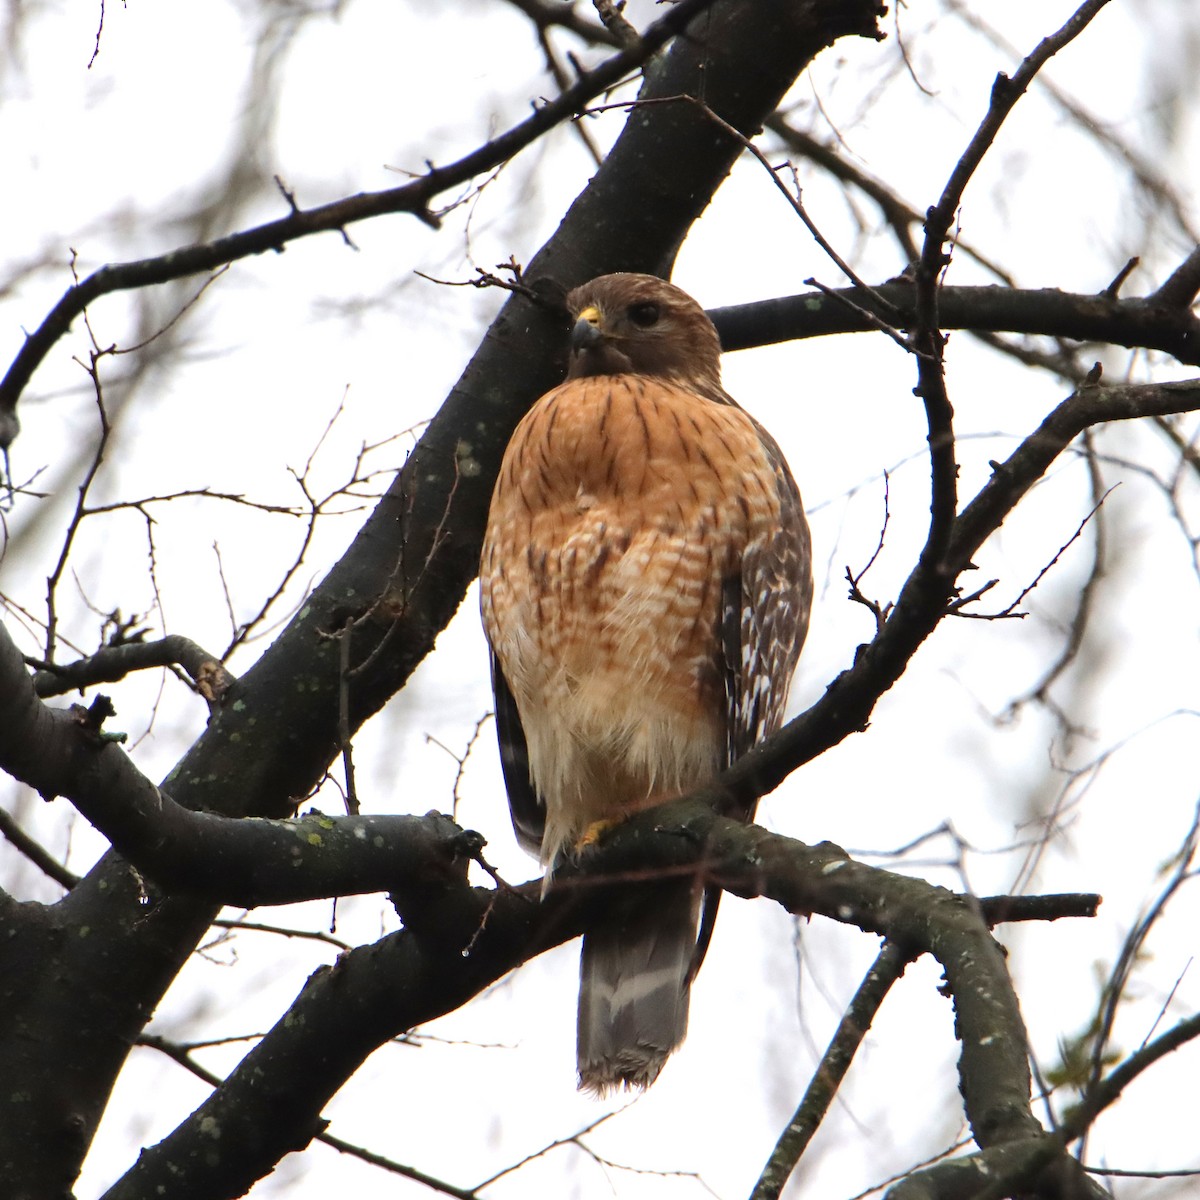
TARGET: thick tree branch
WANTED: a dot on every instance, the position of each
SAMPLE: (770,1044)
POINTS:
(414,197)
(856,1021)
(468,937)
(246,862)
(181,848)
(424,865)
(1147,322)
(850,699)
(181,1055)
(271,1103)
(1183,285)
(268,745)
(1039,1165)
(219,859)
(1033,1166)
(84,1000)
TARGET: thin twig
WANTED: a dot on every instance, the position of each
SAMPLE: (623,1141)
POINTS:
(185,1059)
(412,197)
(822,1088)
(35,852)
(793,199)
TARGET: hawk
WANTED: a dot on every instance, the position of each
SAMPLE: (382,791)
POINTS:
(645,587)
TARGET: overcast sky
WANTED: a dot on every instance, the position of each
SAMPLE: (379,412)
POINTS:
(110,160)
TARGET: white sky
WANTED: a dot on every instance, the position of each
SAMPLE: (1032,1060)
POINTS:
(100,159)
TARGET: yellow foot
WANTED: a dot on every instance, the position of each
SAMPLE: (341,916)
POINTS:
(594,832)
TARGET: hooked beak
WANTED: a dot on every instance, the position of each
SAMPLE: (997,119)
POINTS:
(588,331)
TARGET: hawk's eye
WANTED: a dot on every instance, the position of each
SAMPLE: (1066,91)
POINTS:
(644,315)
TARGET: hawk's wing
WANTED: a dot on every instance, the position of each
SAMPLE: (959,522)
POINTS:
(527,812)
(764,620)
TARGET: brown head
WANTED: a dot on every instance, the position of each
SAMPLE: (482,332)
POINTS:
(630,324)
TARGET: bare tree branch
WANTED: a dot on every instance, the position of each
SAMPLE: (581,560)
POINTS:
(887,968)
(414,198)
(35,851)
(1137,322)
(409,977)
(272,740)
(111,663)
(182,1056)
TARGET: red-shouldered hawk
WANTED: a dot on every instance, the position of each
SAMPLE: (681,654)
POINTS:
(645,586)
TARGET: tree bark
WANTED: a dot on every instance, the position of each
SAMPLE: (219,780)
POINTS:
(82,977)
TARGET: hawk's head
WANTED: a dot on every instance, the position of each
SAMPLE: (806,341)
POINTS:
(630,324)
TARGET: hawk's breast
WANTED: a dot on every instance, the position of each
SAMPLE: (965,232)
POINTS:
(622,504)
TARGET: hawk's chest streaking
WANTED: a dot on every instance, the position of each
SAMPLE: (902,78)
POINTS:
(623,505)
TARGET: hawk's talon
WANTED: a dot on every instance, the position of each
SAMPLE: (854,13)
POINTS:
(594,832)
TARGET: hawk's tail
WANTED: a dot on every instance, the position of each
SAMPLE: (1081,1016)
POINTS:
(634,988)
